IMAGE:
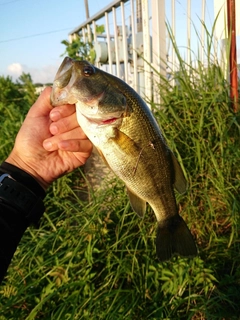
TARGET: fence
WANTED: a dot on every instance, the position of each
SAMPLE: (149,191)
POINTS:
(136,38)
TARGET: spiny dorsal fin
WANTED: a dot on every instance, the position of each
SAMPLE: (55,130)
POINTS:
(138,205)
(180,183)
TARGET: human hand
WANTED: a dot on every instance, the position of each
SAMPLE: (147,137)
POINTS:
(50,142)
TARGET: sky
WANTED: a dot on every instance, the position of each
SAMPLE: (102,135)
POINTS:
(32,31)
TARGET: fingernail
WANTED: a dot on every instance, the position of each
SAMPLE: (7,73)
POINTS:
(47,145)
(55,115)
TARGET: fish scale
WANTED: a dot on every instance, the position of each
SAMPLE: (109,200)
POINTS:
(123,129)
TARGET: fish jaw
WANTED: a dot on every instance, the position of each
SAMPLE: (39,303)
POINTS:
(98,128)
(61,90)
(61,96)
(90,109)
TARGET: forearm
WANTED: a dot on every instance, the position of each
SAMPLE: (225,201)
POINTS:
(25,208)
(12,227)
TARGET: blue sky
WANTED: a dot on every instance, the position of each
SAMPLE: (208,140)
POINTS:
(38,55)
(52,20)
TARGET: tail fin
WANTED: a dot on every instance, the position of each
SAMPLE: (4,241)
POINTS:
(174,237)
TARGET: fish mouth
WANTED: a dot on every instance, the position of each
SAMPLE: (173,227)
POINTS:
(110,120)
(114,118)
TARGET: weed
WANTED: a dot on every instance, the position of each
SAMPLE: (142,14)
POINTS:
(96,260)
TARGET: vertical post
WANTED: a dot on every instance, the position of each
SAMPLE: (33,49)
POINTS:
(108,43)
(86,9)
(116,41)
(159,36)
(94,31)
(158,45)
(231,19)
(139,15)
(146,50)
(135,73)
(70,38)
(95,39)
(84,35)
(89,33)
(125,49)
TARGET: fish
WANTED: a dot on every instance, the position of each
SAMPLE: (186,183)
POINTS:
(122,127)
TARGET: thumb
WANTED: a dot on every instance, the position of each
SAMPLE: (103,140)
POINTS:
(42,106)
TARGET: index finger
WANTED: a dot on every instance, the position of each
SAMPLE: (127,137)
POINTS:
(62,111)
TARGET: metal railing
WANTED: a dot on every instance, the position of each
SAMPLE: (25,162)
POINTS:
(136,40)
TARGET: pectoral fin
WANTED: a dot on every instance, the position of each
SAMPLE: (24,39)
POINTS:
(180,183)
(125,144)
(138,205)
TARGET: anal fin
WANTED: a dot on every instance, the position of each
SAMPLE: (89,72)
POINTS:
(138,205)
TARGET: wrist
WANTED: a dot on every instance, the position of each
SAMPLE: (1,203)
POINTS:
(23,177)
(17,162)
(21,191)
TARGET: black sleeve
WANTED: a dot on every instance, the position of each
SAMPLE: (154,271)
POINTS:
(14,220)
(12,227)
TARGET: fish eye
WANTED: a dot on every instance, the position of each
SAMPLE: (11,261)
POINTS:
(88,71)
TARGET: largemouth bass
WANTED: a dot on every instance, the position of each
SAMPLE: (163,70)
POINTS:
(123,129)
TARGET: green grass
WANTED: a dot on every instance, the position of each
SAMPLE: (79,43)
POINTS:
(96,260)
